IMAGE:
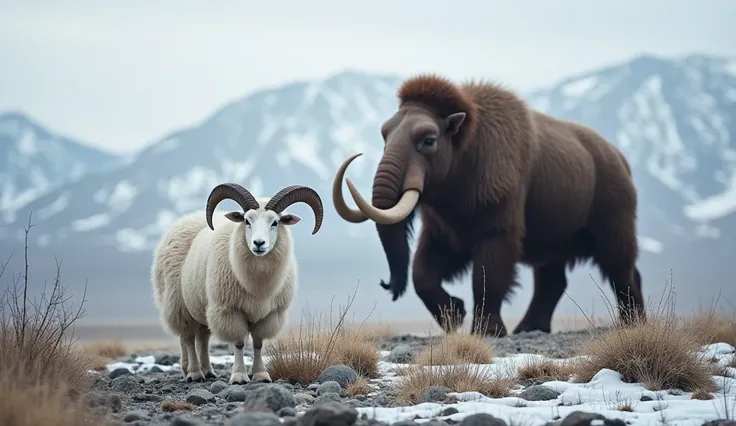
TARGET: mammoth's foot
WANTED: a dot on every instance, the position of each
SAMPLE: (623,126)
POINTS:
(534,324)
(452,316)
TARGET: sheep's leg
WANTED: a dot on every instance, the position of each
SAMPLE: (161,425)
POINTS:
(203,349)
(239,374)
(267,328)
(229,325)
(184,362)
(194,371)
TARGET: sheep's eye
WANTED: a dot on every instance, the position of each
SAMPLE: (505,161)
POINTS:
(275,223)
(247,222)
(429,141)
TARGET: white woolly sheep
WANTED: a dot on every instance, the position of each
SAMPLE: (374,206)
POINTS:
(232,280)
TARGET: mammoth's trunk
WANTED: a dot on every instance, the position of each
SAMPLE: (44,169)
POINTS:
(389,185)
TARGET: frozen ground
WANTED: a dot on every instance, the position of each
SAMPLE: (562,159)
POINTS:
(156,378)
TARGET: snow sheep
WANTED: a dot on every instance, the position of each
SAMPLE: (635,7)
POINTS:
(234,279)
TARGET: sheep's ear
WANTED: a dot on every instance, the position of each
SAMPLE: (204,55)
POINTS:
(290,219)
(236,217)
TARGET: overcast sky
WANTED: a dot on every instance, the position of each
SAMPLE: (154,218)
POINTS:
(120,74)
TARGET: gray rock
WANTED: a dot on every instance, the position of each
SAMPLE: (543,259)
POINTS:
(199,396)
(218,387)
(234,394)
(401,354)
(482,419)
(269,397)
(135,415)
(185,420)
(435,394)
(448,411)
(303,398)
(327,397)
(126,384)
(329,386)
(287,412)
(120,371)
(539,393)
(720,423)
(329,414)
(581,418)
(340,373)
(254,419)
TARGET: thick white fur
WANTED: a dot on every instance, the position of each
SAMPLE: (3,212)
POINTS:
(211,280)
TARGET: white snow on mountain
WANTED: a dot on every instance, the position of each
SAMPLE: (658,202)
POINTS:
(673,119)
(34,161)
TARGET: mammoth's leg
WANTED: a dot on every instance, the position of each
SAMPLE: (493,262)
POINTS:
(494,275)
(549,285)
(616,254)
(202,337)
(434,262)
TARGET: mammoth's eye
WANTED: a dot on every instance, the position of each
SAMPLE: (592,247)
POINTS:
(429,141)
(275,223)
(247,222)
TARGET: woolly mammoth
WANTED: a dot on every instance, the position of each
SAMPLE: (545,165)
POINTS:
(496,184)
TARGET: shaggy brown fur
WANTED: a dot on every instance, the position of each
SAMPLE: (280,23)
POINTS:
(506,185)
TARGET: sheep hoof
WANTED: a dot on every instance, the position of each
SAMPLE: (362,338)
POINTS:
(239,378)
(262,377)
(210,375)
(195,376)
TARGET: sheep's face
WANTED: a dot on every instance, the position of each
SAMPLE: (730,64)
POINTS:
(262,228)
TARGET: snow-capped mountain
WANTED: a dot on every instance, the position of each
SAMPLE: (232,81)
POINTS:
(34,161)
(673,119)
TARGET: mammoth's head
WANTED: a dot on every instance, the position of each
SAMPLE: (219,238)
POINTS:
(261,223)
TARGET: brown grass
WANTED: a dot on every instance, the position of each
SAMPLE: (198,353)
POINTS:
(701,394)
(358,387)
(457,377)
(42,373)
(711,328)
(302,355)
(457,348)
(625,407)
(106,348)
(544,370)
(661,353)
(171,406)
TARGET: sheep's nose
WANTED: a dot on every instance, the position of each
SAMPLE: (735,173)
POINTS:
(258,243)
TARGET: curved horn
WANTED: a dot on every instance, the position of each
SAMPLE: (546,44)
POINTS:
(298,193)
(395,214)
(345,212)
(231,191)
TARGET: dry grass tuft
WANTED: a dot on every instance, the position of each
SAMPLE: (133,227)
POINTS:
(300,357)
(358,387)
(701,394)
(110,349)
(42,373)
(171,406)
(711,328)
(661,353)
(625,407)
(457,348)
(457,377)
(545,370)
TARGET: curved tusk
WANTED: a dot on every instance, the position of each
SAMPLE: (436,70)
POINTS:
(395,214)
(345,212)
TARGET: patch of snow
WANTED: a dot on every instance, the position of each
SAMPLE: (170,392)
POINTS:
(268,129)
(91,222)
(305,149)
(57,206)
(715,206)
(122,196)
(580,87)
(27,145)
(650,244)
(270,100)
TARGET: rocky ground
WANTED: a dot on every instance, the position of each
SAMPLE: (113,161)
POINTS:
(157,397)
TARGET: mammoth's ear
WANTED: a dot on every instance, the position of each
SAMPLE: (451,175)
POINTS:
(236,217)
(290,219)
(453,123)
